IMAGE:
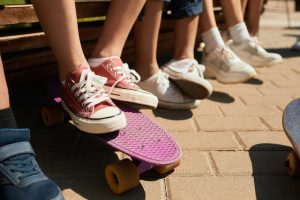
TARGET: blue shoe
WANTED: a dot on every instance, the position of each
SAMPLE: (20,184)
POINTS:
(20,175)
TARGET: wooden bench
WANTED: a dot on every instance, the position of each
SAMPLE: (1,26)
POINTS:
(25,50)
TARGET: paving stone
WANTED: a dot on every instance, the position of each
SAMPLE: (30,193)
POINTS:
(248,163)
(251,110)
(266,100)
(203,110)
(206,141)
(273,122)
(194,163)
(245,123)
(264,140)
(215,188)
(279,91)
(177,125)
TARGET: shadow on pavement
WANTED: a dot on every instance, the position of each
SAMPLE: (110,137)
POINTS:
(254,81)
(270,177)
(285,52)
(80,168)
(221,97)
(173,114)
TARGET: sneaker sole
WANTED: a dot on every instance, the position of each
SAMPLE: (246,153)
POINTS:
(224,79)
(97,126)
(195,90)
(178,106)
(133,96)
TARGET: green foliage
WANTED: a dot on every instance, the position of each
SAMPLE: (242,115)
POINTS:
(3,2)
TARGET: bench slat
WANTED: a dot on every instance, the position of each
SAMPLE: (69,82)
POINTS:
(17,14)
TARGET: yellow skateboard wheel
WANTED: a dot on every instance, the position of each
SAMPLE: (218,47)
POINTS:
(122,176)
(163,169)
(52,116)
(292,164)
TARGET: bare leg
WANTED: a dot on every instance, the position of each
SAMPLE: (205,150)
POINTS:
(207,18)
(232,11)
(244,6)
(146,38)
(4,103)
(255,7)
(59,21)
(120,19)
(185,37)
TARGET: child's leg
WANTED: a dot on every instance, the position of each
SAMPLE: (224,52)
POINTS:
(184,69)
(255,8)
(120,19)
(221,63)
(232,11)
(105,61)
(7,119)
(146,38)
(17,154)
(153,79)
(82,93)
(244,6)
(59,21)
(4,103)
(185,37)
(210,33)
(243,45)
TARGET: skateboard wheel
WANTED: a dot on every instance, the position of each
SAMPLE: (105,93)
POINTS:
(162,169)
(122,176)
(52,116)
(292,164)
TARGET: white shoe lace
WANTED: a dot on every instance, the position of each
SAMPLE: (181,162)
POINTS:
(89,90)
(164,80)
(127,75)
(225,53)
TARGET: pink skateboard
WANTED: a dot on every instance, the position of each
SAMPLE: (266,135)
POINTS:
(146,142)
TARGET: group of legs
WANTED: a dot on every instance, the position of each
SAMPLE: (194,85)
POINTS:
(88,85)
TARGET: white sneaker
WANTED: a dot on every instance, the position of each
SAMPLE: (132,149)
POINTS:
(169,96)
(226,67)
(252,53)
(187,74)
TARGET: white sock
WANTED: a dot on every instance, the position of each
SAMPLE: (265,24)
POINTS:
(95,62)
(212,39)
(239,32)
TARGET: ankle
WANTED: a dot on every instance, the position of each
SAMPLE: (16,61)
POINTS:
(147,72)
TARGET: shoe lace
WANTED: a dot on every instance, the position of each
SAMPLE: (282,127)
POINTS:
(164,80)
(225,53)
(89,90)
(258,44)
(22,164)
(127,75)
(196,66)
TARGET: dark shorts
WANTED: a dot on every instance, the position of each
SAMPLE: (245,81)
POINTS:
(178,9)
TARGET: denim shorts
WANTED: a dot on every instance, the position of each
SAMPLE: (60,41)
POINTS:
(178,9)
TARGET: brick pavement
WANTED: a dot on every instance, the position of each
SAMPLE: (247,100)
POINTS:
(234,146)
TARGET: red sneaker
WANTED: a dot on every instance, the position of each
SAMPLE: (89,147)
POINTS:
(90,108)
(121,82)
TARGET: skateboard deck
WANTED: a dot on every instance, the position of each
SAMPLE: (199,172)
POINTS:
(291,125)
(144,140)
